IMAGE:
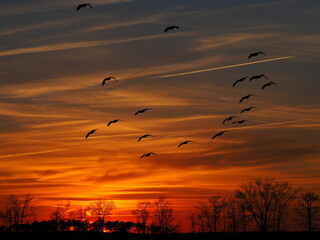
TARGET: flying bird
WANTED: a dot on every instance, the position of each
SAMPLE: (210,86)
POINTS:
(91,132)
(246,109)
(240,122)
(255,54)
(144,136)
(185,142)
(113,121)
(239,80)
(108,79)
(268,84)
(246,97)
(142,111)
(147,154)
(219,134)
(170,28)
(258,76)
(83,5)
(228,119)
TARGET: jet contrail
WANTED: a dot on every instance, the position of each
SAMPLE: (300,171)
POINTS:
(33,153)
(223,67)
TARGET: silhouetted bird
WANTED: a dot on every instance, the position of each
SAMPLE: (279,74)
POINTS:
(240,122)
(108,79)
(147,154)
(258,76)
(255,54)
(247,109)
(170,28)
(185,142)
(239,80)
(228,119)
(113,121)
(142,111)
(219,134)
(268,84)
(83,5)
(144,136)
(91,132)
(246,97)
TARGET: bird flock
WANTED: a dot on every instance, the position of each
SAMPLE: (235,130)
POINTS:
(225,121)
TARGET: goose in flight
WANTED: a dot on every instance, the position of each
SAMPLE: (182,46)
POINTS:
(84,5)
(185,142)
(144,136)
(228,119)
(239,80)
(108,79)
(268,84)
(219,134)
(113,121)
(256,54)
(246,97)
(246,109)
(148,154)
(142,111)
(240,122)
(258,76)
(91,132)
(170,28)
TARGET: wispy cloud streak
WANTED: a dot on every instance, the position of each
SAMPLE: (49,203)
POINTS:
(223,67)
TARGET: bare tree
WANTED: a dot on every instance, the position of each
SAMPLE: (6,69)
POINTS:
(192,220)
(308,210)
(16,211)
(101,209)
(234,215)
(59,214)
(142,213)
(164,216)
(210,212)
(267,201)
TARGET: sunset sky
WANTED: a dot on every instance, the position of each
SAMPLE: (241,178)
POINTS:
(53,60)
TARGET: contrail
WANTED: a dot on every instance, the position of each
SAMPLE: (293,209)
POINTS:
(33,153)
(268,124)
(223,67)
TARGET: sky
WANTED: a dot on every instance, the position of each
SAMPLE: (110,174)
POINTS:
(53,60)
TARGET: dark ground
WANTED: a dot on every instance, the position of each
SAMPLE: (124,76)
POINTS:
(178,236)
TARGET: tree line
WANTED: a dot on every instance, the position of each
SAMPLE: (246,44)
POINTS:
(264,205)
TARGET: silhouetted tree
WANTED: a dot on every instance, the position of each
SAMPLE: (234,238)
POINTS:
(58,216)
(267,201)
(16,211)
(192,220)
(308,210)
(210,212)
(164,216)
(101,209)
(142,213)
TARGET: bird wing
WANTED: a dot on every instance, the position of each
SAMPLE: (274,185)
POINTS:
(88,134)
(167,28)
(140,138)
(235,83)
(109,123)
(181,144)
(251,55)
(137,112)
(89,5)
(104,81)
(242,99)
(265,86)
(215,136)
(224,120)
(79,6)
(143,155)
